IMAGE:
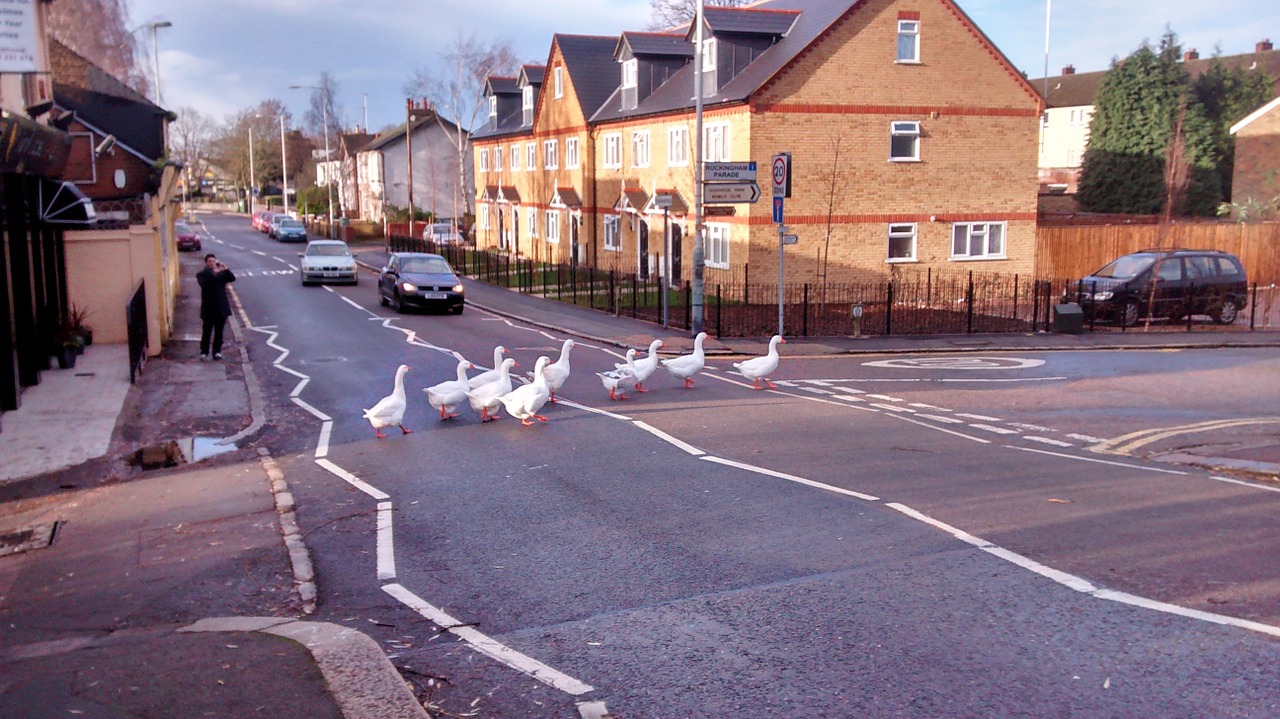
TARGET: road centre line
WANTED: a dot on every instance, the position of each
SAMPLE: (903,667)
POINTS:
(1081,584)
(990,428)
(936,428)
(232,245)
(668,438)
(1098,461)
(940,418)
(487,645)
(979,417)
(893,408)
(260,253)
(386,543)
(790,478)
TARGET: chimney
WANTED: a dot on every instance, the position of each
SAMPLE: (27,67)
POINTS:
(1264,46)
(1069,70)
(1191,54)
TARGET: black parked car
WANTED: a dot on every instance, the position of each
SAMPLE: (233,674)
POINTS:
(1186,282)
(417,279)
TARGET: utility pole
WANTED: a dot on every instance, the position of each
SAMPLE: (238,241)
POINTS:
(408,145)
(252,179)
(284,167)
(155,56)
(699,232)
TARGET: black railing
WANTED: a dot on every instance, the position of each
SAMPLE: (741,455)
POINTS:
(904,303)
(135,317)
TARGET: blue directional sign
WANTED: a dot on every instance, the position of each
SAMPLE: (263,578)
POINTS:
(777,210)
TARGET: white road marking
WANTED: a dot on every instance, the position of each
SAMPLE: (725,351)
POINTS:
(353,480)
(386,543)
(1030,427)
(850,398)
(486,645)
(939,418)
(815,390)
(790,478)
(1242,483)
(957,362)
(1047,440)
(1085,438)
(892,408)
(668,438)
(593,410)
(315,412)
(962,435)
(922,405)
(1098,461)
(260,253)
(297,390)
(1129,442)
(997,430)
(277,259)
(884,397)
(593,710)
(322,444)
(233,245)
(979,417)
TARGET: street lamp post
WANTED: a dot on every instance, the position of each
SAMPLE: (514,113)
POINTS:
(284,167)
(324,114)
(155,56)
(252,180)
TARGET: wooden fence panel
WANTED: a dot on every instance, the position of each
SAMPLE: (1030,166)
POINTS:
(1067,252)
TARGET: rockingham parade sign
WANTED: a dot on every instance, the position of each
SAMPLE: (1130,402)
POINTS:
(729,172)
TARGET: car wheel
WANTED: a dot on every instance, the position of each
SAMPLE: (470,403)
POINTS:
(399,306)
(1130,313)
(1227,312)
(382,299)
(355,279)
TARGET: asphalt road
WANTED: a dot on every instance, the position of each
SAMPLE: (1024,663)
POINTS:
(723,552)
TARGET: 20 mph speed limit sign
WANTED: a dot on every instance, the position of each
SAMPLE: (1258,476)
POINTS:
(780,174)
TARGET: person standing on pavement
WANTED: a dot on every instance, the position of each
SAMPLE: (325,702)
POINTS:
(215,306)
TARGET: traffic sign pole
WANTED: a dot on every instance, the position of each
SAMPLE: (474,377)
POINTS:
(780,176)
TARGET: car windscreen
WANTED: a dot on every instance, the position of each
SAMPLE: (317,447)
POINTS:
(328,250)
(425,266)
(183,228)
(291,224)
(1126,267)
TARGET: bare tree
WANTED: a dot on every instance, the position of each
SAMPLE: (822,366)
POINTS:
(833,183)
(458,92)
(95,29)
(191,140)
(1177,177)
(665,14)
(231,149)
(324,107)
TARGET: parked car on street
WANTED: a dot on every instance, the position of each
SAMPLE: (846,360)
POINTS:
(291,230)
(260,220)
(327,261)
(418,279)
(273,227)
(442,233)
(1168,283)
(186,236)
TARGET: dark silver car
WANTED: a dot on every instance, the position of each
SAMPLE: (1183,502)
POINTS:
(420,280)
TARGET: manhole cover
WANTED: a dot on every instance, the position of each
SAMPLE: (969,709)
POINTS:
(21,540)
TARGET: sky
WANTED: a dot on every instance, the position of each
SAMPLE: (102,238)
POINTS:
(224,56)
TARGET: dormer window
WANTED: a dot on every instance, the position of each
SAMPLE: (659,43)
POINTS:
(710,84)
(493,107)
(630,78)
(527,104)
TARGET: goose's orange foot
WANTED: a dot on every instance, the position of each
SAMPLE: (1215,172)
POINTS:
(405,431)
(540,418)
(771,385)
(688,384)
(640,389)
(378,433)
(525,422)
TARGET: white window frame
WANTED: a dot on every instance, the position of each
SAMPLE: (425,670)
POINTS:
(531,157)
(719,239)
(498,154)
(558,74)
(550,154)
(901,231)
(905,128)
(716,142)
(710,67)
(515,158)
(994,244)
(532,218)
(484,159)
(526,98)
(678,146)
(553,226)
(612,144)
(640,148)
(571,159)
(493,106)
(483,218)
(630,73)
(908,30)
(613,233)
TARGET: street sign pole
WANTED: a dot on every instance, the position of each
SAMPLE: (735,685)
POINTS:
(699,254)
(781,279)
(780,175)
(666,260)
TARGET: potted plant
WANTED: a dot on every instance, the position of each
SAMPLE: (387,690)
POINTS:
(76,319)
(67,344)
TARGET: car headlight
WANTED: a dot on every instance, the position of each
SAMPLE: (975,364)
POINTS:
(457,287)
(1103,296)
(408,287)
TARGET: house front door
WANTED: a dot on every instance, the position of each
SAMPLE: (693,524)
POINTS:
(642,249)
(574,249)
(677,239)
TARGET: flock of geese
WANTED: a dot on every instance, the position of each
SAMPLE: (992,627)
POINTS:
(491,390)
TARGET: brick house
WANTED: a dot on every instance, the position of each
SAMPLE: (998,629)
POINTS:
(383,168)
(1256,174)
(913,144)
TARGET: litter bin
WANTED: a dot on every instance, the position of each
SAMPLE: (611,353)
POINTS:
(1068,319)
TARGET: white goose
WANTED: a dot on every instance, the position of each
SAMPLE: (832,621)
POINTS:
(484,399)
(620,380)
(524,402)
(557,372)
(646,366)
(686,366)
(446,396)
(490,375)
(758,368)
(389,411)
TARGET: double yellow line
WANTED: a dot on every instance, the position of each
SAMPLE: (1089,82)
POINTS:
(1126,444)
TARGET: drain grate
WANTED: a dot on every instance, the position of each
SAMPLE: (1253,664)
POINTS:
(22,540)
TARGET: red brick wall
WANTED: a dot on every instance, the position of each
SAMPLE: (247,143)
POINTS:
(1257,163)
